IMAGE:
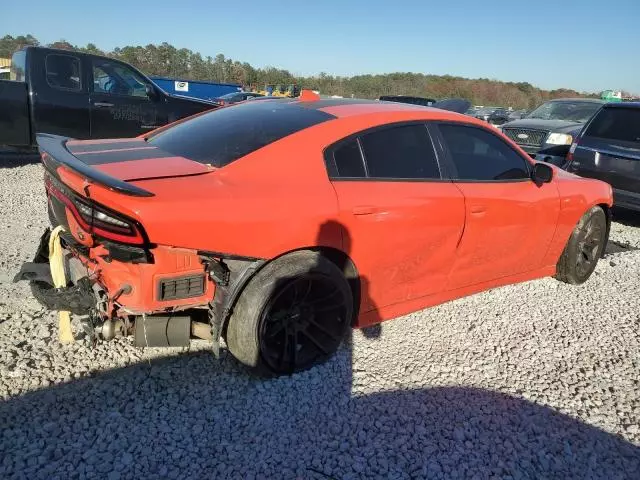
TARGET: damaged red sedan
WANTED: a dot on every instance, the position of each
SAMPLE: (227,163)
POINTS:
(278,225)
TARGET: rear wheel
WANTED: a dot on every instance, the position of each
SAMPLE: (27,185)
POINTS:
(292,315)
(584,248)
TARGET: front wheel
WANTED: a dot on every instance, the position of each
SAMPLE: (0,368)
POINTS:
(292,315)
(584,248)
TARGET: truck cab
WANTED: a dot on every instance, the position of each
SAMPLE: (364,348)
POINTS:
(83,96)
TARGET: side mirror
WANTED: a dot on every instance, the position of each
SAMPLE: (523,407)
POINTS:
(151,92)
(542,173)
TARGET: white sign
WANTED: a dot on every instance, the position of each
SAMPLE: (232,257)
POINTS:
(181,86)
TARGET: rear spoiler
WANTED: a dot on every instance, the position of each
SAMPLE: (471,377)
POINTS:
(54,153)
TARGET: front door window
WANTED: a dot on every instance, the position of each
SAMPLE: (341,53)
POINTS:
(117,79)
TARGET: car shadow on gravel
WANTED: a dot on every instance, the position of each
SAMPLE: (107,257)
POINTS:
(192,417)
(629,218)
(11,159)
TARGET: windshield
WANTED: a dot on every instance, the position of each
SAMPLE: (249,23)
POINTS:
(570,111)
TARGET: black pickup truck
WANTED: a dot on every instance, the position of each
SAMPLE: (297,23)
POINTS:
(82,96)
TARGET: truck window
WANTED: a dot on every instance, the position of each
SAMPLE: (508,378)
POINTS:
(63,72)
(18,66)
(117,79)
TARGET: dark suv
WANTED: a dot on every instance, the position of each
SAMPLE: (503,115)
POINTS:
(608,148)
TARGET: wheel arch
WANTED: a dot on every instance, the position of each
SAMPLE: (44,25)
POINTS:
(336,256)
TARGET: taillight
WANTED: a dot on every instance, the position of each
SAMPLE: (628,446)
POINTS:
(97,219)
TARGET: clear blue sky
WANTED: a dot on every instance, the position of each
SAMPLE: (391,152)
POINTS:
(587,45)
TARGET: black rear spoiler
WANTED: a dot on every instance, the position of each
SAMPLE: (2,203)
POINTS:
(55,147)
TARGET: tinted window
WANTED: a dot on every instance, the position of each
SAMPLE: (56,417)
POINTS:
(400,152)
(63,72)
(348,160)
(226,134)
(480,155)
(616,124)
(117,79)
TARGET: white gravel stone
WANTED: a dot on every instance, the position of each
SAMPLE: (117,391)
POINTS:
(537,380)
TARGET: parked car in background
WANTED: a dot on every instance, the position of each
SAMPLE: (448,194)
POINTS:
(235,97)
(481,113)
(426,102)
(548,130)
(83,96)
(608,148)
(161,231)
(492,115)
(499,116)
(517,114)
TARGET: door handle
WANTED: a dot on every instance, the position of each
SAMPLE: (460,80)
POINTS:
(364,210)
(102,104)
(478,210)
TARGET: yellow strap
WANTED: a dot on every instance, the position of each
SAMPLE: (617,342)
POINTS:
(56,263)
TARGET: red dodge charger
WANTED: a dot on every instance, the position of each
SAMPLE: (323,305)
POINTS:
(278,225)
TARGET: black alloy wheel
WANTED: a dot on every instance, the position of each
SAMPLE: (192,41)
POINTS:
(303,322)
(590,240)
(584,248)
(292,315)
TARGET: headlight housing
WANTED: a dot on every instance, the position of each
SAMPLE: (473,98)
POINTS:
(559,139)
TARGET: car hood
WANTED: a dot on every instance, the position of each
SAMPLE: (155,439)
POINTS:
(133,159)
(560,126)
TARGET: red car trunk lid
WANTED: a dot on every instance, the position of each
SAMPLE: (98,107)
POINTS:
(133,159)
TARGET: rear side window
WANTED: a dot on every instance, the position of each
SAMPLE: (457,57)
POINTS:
(227,134)
(117,79)
(18,66)
(348,160)
(481,156)
(622,124)
(403,152)
(63,72)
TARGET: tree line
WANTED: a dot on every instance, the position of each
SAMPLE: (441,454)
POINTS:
(167,60)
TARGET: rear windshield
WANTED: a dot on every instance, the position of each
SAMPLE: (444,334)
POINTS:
(621,124)
(227,134)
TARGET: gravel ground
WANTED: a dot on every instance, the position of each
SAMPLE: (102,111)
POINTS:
(537,380)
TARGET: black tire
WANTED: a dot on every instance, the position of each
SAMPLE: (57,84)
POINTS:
(292,315)
(584,248)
